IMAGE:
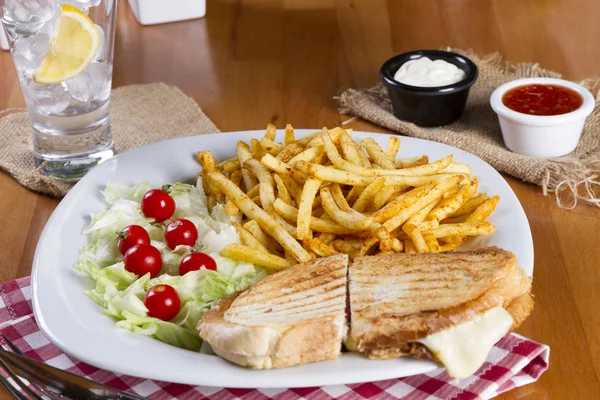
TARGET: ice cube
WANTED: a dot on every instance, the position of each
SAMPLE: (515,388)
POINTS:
(91,3)
(29,52)
(83,5)
(29,15)
(21,64)
(47,99)
(49,26)
(33,48)
(78,87)
(108,6)
(102,46)
(100,80)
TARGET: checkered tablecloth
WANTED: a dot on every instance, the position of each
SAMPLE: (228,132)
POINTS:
(514,361)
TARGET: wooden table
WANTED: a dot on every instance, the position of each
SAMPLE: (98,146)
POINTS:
(252,62)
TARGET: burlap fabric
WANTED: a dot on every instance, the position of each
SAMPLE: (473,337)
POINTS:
(140,114)
(571,178)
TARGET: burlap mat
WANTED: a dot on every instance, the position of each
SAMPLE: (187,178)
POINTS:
(139,114)
(571,178)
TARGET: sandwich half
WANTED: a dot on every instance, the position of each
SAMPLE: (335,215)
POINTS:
(293,317)
(451,307)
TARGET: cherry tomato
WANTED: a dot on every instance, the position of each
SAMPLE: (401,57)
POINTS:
(162,302)
(143,258)
(196,262)
(132,235)
(181,232)
(157,204)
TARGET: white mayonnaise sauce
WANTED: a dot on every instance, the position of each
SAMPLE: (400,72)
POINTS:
(424,72)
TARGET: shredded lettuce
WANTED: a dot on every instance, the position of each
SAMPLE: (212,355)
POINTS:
(165,331)
(115,191)
(121,293)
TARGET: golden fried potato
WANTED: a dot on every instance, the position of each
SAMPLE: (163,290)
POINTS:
(325,193)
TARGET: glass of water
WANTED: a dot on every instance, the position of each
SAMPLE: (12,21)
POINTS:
(63,54)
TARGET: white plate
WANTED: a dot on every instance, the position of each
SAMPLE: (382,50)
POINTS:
(76,324)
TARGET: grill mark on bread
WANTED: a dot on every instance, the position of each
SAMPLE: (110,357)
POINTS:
(336,290)
(289,287)
(316,310)
(347,299)
(315,291)
(425,293)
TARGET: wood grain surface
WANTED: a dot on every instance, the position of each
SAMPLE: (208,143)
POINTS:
(252,62)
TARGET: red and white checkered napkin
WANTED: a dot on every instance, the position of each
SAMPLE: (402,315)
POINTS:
(514,361)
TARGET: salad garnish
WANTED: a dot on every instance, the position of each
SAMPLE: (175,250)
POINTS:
(121,283)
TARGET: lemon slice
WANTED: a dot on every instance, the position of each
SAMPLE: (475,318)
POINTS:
(72,47)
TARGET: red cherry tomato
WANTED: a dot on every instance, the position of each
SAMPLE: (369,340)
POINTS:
(157,204)
(143,258)
(181,232)
(132,235)
(196,262)
(162,302)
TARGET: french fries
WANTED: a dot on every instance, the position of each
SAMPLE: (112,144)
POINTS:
(409,247)
(383,196)
(392,147)
(288,137)
(471,205)
(349,150)
(434,194)
(229,165)
(338,161)
(401,203)
(316,224)
(290,151)
(251,210)
(267,241)
(463,229)
(320,248)
(326,193)
(250,180)
(305,208)
(282,190)
(450,205)
(412,162)
(248,239)
(348,219)
(367,195)
(265,259)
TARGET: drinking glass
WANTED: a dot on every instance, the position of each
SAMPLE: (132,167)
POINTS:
(70,119)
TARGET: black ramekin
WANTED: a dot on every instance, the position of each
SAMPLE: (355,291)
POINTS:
(429,106)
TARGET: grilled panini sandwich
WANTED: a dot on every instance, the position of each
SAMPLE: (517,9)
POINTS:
(293,317)
(452,307)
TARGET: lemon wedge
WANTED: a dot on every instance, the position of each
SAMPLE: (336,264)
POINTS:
(73,46)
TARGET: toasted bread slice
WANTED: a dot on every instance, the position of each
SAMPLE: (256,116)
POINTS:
(293,317)
(398,299)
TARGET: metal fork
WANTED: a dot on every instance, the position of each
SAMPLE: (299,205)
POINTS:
(51,383)
(14,391)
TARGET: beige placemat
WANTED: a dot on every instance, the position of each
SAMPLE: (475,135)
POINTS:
(140,114)
(571,178)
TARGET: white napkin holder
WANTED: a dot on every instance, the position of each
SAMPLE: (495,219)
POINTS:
(150,12)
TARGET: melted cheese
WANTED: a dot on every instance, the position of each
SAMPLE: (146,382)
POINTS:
(464,348)
(351,344)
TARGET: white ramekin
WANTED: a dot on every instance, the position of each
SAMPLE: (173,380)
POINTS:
(538,135)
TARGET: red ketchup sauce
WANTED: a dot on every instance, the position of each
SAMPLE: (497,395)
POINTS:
(538,99)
